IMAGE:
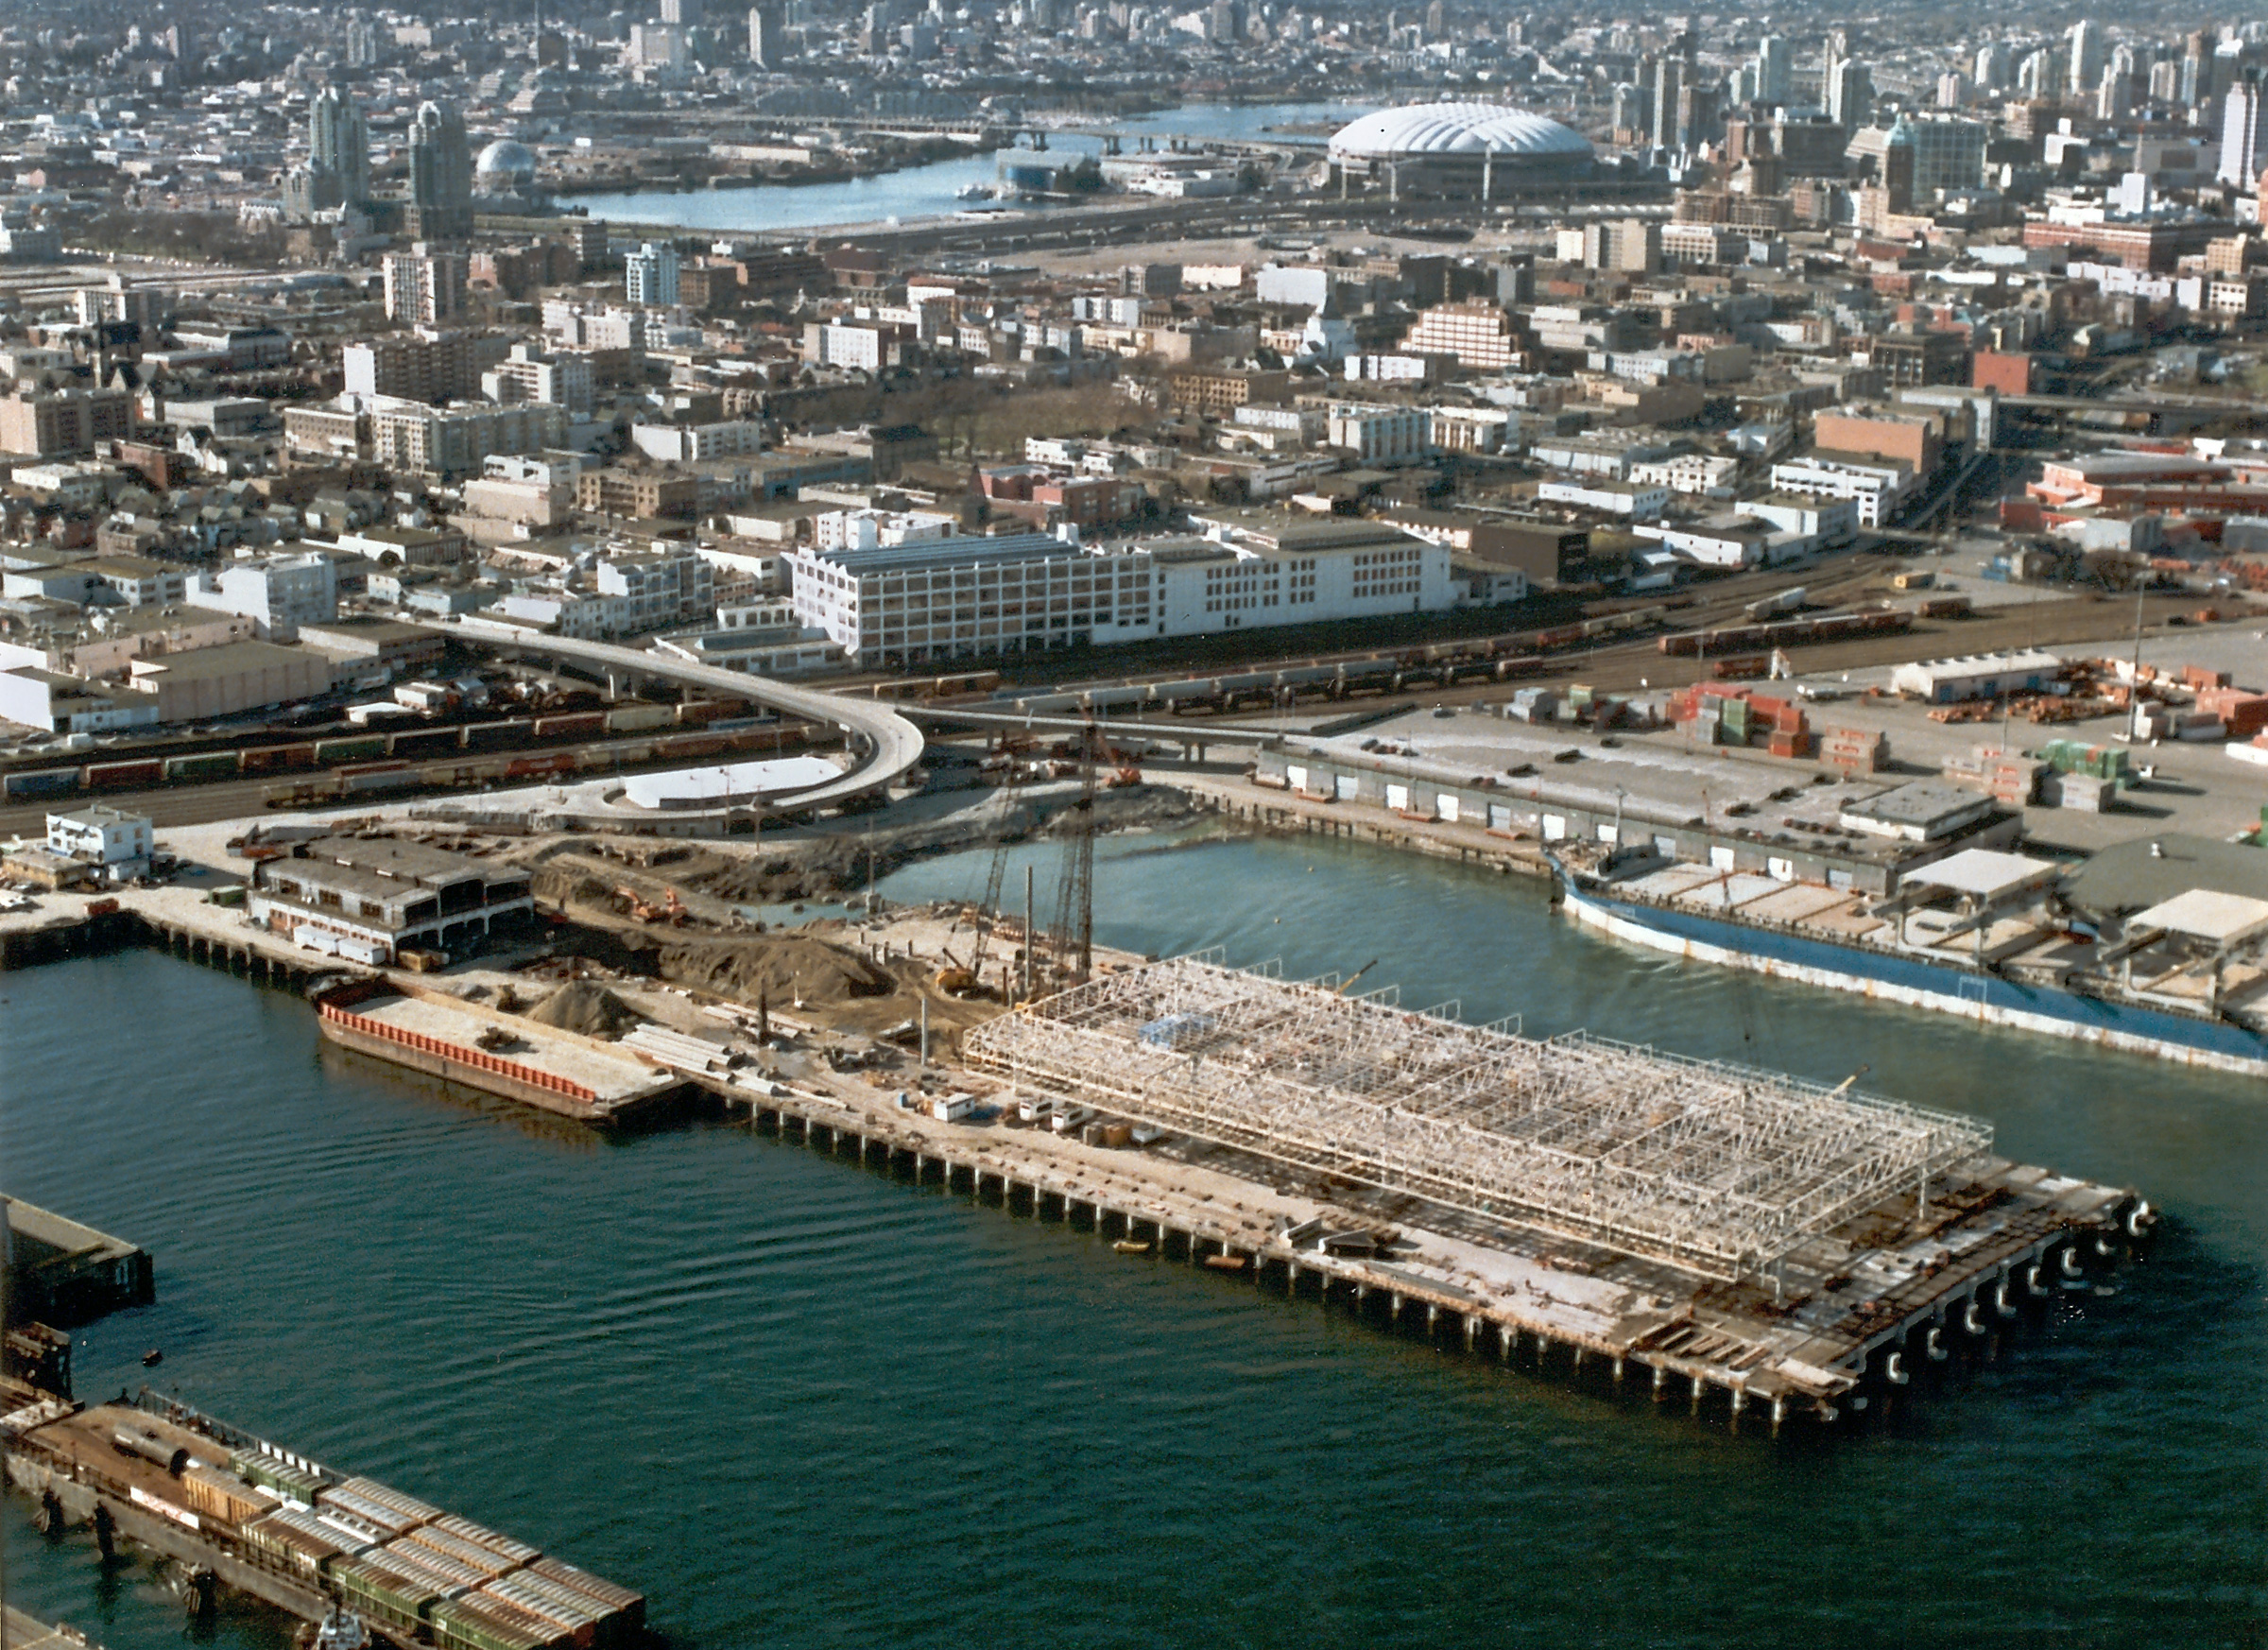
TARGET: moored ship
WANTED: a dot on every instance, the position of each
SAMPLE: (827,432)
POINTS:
(2154,948)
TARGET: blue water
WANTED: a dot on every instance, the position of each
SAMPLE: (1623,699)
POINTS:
(925,191)
(803,1405)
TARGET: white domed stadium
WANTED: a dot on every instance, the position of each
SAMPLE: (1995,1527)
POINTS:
(1462,150)
(505,167)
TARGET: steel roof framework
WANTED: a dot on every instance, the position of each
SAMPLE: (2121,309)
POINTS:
(1711,1167)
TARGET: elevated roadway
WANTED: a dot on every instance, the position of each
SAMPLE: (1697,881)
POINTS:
(883,745)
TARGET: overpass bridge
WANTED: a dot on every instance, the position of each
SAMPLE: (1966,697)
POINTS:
(883,745)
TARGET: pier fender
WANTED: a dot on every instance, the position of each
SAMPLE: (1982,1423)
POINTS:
(2000,1303)
(1934,1345)
(2141,1219)
(2105,1247)
(1894,1369)
(2032,1286)
(2073,1265)
(1972,1319)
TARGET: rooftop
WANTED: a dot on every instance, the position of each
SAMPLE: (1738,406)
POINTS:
(1984,872)
(229,659)
(2205,914)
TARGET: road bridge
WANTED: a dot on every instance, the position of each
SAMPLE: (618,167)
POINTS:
(883,743)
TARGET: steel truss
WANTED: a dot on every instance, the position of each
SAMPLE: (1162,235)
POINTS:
(1714,1168)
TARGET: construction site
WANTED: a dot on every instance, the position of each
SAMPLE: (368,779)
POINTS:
(1746,1240)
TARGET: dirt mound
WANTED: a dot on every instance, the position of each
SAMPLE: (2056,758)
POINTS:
(814,871)
(591,1010)
(781,967)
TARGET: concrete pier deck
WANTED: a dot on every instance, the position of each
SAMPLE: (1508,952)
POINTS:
(430,1031)
(19,1631)
(1849,1321)
(65,1274)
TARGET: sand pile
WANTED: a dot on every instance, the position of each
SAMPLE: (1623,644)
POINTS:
(782,967)
(590,1009)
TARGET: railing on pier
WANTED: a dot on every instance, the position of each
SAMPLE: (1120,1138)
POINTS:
(476,1059)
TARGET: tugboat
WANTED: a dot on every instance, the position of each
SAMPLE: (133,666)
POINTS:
(341,1629)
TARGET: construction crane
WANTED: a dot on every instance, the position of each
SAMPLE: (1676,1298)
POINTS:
(959,980)
(1074,894)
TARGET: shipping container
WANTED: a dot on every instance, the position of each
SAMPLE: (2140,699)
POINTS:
(462,1625)
(441,1544)
(288,1479)
(578,1612)
(517,1599)
(519,1617)
(620,1601)
(390,1509)
(446,1571)
(298,1542)
(222,1495)
(380,1591)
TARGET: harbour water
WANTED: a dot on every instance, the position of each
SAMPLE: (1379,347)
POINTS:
(927,191)
(800,1404)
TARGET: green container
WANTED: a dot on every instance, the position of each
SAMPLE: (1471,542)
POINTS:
(394,1600)
(459,1628)
(260,1468)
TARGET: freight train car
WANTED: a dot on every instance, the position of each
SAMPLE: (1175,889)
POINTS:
(272,758)
(637,719)
(550,762)
(105,775)
(495,735)
(578,725)
(1787,633)
(204,765)
(358,747)
(42,782)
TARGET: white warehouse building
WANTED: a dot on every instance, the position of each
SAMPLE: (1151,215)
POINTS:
(932,599)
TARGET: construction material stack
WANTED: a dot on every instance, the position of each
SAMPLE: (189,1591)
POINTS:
(1855,750)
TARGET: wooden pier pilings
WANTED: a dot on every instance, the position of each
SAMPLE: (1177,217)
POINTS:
(1965,1325)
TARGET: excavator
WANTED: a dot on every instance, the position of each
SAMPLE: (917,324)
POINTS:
(671,909)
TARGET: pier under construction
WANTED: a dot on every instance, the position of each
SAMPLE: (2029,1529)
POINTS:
(1737,1232)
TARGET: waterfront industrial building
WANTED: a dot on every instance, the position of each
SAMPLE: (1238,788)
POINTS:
(930,595)
(370,899)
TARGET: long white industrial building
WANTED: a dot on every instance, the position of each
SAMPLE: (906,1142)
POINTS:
(952,595)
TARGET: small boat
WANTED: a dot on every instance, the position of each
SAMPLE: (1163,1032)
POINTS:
(973,192)
(1129,1246)
(152,1358)
(1227,1262)
(341,1629)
